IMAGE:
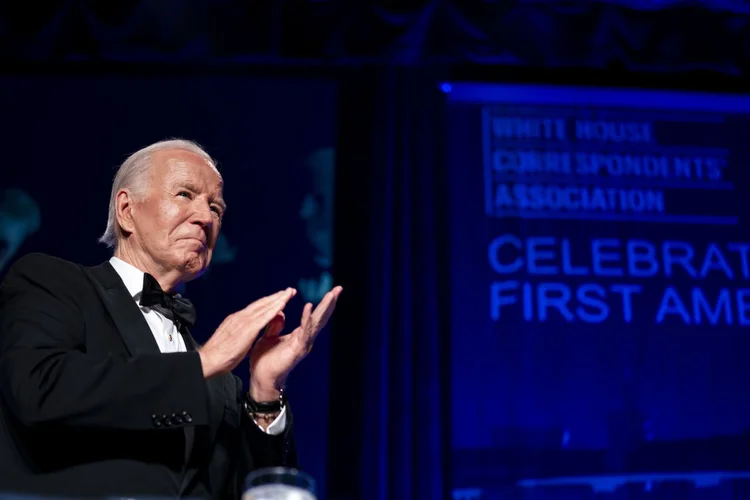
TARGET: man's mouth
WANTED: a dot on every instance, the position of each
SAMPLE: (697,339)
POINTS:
(199,240)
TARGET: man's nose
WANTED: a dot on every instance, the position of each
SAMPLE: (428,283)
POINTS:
(203,215)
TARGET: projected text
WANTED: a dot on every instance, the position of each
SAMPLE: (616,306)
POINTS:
(547,163)
(549,277)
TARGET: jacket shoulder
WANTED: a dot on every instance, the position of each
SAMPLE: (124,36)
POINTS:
(42,265)
(38,270)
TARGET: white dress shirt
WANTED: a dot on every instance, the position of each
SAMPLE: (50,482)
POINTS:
(166,335)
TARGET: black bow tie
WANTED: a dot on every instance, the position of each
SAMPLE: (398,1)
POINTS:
(178,309)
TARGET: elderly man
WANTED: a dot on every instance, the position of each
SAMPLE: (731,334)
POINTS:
(104,392)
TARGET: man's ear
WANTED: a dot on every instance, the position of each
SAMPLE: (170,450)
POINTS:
(124,210)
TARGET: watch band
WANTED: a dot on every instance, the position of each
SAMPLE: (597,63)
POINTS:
(276,406)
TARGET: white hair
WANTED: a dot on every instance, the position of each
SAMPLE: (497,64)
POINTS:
(133,175)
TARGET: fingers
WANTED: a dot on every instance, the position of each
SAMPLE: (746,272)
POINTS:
(267,309)
(324,310)
(262,302)
(306,326)
(266,319)
(268,313)
(278,303)
(307,316)
(276,325)
(275,307)
(259,315)
(313,321)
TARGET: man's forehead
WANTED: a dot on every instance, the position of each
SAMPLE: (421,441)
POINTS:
(186,165)
(180,157)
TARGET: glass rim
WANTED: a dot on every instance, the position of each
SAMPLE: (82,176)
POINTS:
(279,471)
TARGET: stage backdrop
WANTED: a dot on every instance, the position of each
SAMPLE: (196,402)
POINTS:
(63,137)
(600,263)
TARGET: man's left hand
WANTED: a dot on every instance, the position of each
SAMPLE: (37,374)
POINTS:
(274,356)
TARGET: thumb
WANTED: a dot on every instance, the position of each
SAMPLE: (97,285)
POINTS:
(275,326)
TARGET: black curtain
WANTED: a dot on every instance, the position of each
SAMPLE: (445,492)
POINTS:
(390,392)
(642,35)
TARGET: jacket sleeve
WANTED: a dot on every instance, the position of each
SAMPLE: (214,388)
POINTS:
(257,449)
(48,378)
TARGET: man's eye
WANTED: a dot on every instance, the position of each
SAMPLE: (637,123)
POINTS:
(186,194)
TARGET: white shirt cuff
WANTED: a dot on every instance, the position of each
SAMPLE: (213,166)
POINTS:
(277,426)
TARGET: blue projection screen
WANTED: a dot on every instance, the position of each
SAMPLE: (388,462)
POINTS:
(600,298)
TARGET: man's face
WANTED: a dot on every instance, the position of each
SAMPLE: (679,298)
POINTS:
(177,223)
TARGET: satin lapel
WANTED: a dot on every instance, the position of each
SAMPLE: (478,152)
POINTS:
(190,342)
(125,313)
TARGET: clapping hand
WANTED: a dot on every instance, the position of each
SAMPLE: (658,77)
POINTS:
(274,356)
(231,342)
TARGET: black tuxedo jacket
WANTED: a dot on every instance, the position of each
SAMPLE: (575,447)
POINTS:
(89,406)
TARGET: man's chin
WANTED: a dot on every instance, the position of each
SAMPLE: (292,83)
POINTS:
(194,267)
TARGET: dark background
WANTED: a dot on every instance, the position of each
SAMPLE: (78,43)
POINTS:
(389,395)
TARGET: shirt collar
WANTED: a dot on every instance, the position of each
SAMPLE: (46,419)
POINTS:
(131,276)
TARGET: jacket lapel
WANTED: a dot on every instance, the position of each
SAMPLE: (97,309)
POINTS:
(190,342)
(125,313)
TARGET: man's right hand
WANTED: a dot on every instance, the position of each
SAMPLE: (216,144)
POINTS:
(232,341)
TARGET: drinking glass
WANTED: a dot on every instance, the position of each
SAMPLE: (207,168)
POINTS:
(279,483)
